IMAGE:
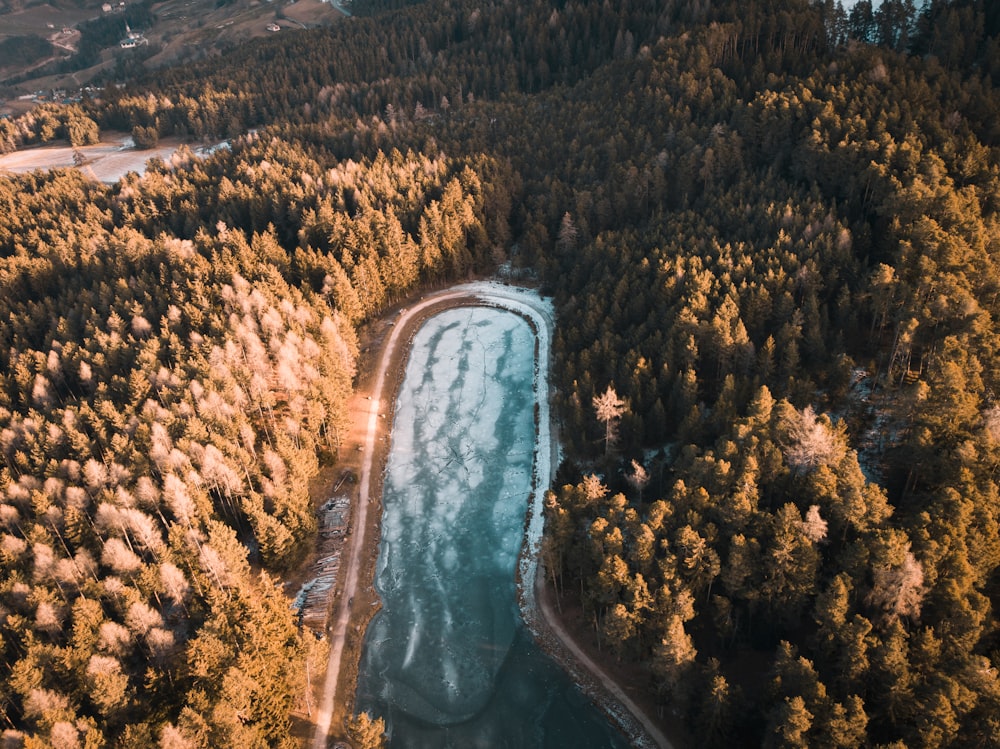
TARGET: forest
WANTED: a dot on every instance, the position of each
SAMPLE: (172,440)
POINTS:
(771,229)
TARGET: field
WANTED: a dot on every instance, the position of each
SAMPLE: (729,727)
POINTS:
(193,27)
(184,29)
(42,20)
(108,161)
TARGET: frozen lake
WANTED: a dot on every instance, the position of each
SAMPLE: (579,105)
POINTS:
(447,661)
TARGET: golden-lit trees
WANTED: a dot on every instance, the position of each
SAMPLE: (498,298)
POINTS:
(778,246)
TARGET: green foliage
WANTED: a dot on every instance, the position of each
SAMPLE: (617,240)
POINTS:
(145,137)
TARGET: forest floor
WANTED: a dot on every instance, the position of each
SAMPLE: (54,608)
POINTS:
(365,448)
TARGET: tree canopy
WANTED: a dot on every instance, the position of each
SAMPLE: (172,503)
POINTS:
(770,230)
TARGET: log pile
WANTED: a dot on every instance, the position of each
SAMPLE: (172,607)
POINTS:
(313,602)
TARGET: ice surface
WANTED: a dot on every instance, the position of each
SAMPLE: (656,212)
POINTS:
(447,660)
(453,491)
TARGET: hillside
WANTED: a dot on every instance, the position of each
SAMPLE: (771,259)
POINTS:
(770,230)
(67,46)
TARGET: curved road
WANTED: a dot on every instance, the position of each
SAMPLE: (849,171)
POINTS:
(540,314)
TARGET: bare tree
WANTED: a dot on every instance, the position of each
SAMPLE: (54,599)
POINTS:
(638,478)
(114,638)
(119,557)
(814,526)
(141,617)
(48,618)
(812,441)
(899,591)
(991,419)
(609,408)
(172,737)
(64,735)
(594,488)
(175,584)
(567,237)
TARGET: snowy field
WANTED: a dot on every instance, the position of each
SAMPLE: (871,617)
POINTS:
(448,661)
(105,162)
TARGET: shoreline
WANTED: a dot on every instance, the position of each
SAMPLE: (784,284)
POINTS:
(380,373)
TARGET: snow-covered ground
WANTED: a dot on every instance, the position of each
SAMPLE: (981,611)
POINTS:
(106,162)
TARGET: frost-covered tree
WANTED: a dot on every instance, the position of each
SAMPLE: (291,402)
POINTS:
(814,526)
(810,440)
(609,408)
(898,591)
(637,478)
